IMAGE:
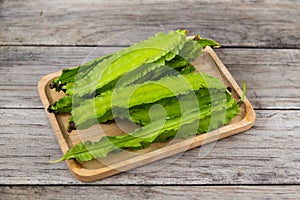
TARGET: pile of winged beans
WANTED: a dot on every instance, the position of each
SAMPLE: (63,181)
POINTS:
(156,71)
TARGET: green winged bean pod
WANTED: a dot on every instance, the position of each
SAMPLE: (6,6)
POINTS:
(137,94)
(146,135)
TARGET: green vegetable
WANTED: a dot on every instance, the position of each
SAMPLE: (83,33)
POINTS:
(63,105)
(150,83)
(206,42)
(69,75)
(145,113)
(152,71)
(160,47)
(190,50)
(190,123)
(137,94)
(244,91)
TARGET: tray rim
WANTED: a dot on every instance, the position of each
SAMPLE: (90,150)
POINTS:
(88,175)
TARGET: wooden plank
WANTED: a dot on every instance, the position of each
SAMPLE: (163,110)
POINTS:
(19,97)
(269,153)
(32,63)
(272,76)
(151,192)
(266,23)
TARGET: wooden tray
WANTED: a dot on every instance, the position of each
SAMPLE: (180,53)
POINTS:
(115,163)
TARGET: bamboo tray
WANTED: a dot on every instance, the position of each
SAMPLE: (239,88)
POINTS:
(118,162)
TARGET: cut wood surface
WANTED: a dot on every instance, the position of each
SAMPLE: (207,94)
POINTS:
(265,23)
(268,153)
(279,90)
(152,192)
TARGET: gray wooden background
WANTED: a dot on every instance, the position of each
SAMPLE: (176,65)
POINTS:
(260,44)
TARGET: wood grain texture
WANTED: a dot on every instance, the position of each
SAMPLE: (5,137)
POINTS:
(151,192)
(21,66)
(265,23)
(272,76)
(268,153)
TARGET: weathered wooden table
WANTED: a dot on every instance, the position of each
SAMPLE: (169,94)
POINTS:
(261,41)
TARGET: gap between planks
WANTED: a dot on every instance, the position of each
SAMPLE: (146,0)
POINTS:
(124,46)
